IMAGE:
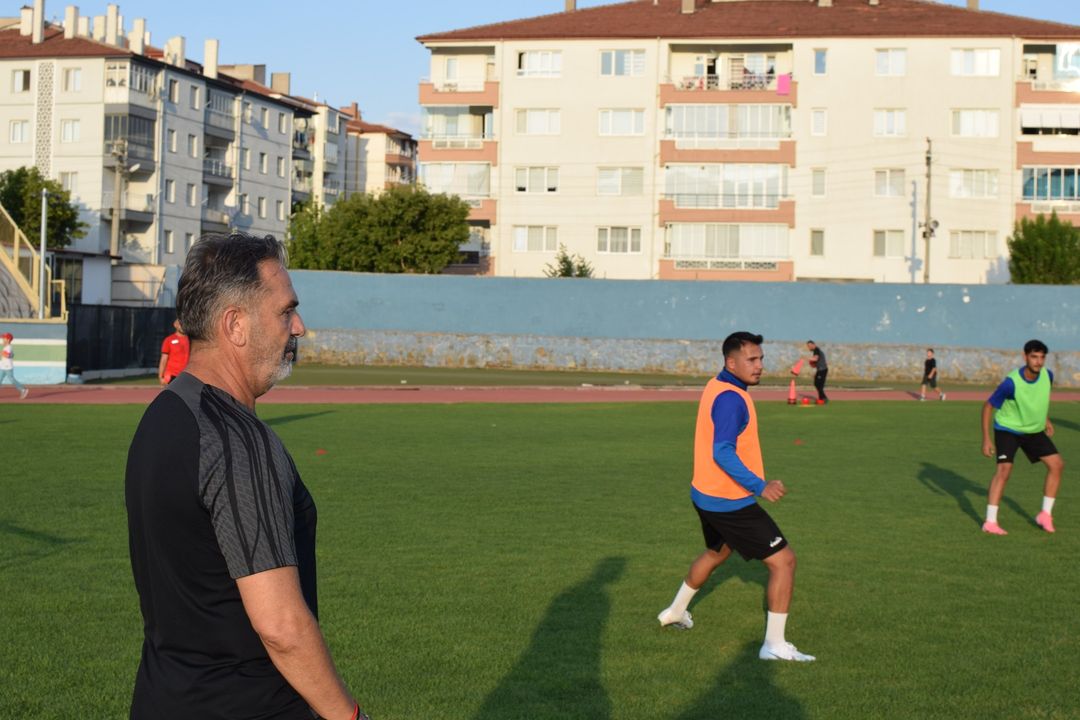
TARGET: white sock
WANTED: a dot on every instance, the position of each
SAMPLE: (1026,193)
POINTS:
(774,629)
(682,599)
(991,513)
(1048,505)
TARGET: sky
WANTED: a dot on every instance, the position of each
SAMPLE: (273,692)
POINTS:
(366,50)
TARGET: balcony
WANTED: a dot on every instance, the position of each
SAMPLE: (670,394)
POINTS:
(138,156)
(331,186)
(726,269)
(458,148)
(738,86)
(724,208)
(215,219)
(217,171)
(137,208)
(301,185)
(462,91)
(221,122)
(696,148)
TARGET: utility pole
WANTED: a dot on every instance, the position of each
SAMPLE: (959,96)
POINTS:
(929,225)
(119,151)
(41,255)
(914,229)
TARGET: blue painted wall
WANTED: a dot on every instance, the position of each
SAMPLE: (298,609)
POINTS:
(972,316)
(40,350)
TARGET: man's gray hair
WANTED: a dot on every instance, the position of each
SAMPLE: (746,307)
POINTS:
(221,270)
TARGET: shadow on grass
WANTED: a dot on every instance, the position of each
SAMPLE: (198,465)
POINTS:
(286,419)
(42,544)
(558,674)
(745,690)
(750,571)
(946,482)
(1062,422)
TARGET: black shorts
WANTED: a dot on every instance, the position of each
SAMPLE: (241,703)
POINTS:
(931,381)
(749,531)
(1036,446)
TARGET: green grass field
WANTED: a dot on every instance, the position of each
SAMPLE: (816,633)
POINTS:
(484,562)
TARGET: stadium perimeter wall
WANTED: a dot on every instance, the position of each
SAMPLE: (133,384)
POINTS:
(40,350)
(869,331)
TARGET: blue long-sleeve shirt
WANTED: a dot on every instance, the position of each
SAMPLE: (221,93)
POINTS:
(730,417)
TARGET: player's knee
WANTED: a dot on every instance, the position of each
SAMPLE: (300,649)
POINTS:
(1054,462)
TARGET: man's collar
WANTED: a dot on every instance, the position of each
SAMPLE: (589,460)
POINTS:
(727,377)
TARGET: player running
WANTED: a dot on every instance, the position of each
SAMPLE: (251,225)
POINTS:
(1019,408)
(728,474)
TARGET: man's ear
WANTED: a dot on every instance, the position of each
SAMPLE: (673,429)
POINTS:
(235,326)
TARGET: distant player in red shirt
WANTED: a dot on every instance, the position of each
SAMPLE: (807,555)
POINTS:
(174,355)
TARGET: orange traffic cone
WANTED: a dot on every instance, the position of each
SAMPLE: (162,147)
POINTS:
(797,367)
(791,400)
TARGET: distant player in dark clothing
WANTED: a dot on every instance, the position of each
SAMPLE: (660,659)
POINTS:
(929,376)
(817,360)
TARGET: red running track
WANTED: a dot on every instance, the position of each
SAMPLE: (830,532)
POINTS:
(430,394)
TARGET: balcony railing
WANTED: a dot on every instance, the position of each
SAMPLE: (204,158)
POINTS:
(1053,85)
(331,186)
(217,168)
(135,202)
(1048,206)
(735,80)
(302,184)
(133,149)
(726,201)
(763,265)
(220,118)
(444,141)
(214,215)
(456,84)
(726,141)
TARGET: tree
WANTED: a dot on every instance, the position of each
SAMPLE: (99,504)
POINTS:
(20,194)
(402,230)
(1045,251)
(567,265)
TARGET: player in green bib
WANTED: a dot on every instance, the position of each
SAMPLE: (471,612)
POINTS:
(1020,410)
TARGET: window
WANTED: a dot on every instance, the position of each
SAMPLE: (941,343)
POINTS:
(622,122)
(189,240)
(733,185)
(618,240)
(464,179)
(264,118)
(889,183)
(262,207)
(722,240)
(820,61)
(20,81)
(282,123)
(170,140)
(536,179)
(170,190)
(535,238)
(1051,183)
(169,245)
(622,62)
(70,182)
(264,163)
(72,79)
(245,204)
(174,91)
(195,97)
(817,182)
(889,243)
(69,131)
(281,166)
(704,126)
(247,112)
(892,61)
(20,131)
(890,123)
(193,146)
(539,63)
(973,183)
(982,62)
(973,244)
(817,243)
(450,70)
(620,181)
(280,210)
(819,121)
(538,122)
(245,158)
(192,195)
(975,123)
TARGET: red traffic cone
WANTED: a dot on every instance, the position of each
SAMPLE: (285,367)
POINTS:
(791,398)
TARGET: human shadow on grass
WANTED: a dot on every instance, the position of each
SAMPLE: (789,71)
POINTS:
(752,571)
(286,419)
(43,544)
(1062,422)
(946,482)
(558,674)
(745,689)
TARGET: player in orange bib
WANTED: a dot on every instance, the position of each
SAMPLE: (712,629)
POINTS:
(728,476)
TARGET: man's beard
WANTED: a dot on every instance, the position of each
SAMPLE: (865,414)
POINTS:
(284,368)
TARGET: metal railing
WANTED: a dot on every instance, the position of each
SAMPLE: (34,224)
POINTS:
(131,149)
(457,84)
(214,215)
(23,262)
(703,264)
(136,202)
(445,141)
(331,185)
(220,118)
(735,80)
(217,168)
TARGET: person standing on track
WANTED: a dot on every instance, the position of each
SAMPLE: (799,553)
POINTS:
(728,474)
(821,367)
(7,365)
(1019,411)
(930,376)
(174,355)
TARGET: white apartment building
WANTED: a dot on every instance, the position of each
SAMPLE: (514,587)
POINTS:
(706,139)
(376,156)
(320,173)
(155,149)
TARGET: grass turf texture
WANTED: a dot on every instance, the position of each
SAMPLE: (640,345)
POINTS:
(499,562)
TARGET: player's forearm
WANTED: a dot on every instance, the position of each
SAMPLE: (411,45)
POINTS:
(725,456)
(987,419)
(304,661)
(161,366)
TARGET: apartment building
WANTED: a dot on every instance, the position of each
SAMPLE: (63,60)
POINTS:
(841,140)
(377,156)
(155,148)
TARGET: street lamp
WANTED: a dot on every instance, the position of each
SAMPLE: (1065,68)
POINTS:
(119,153)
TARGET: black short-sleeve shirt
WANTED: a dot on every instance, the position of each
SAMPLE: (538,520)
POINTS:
(212,495)
(819,355)
(928,366)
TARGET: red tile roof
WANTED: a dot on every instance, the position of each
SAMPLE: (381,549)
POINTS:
(365,127)
(766,19)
